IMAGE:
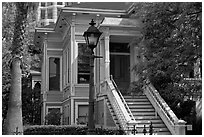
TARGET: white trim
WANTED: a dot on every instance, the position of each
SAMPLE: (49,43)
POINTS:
(55,56)
(72,97)
(120,53)
(77,107)
(54,49)
(53,102)
(67,106)
(72,112)
(80,97)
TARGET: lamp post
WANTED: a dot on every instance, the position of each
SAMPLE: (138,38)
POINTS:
(91,37)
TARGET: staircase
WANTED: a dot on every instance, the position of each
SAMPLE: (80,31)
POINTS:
(144,112)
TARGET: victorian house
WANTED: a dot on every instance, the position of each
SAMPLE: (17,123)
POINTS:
(65,70)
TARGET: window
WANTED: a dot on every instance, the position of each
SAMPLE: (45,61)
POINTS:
(49,3)
(42,4)
(82,114)
(54,73)
(42,14)
(50,14)
(59,3)
(83,63)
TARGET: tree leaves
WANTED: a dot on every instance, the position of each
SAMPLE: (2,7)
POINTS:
(173,43)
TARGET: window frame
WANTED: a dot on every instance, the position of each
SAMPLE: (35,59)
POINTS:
(81,73)
(41,13)
(48,71)
(77,104)
(50,11)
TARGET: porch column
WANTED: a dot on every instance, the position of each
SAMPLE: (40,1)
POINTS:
(102,61)
(73,62)
(107,54)
(134,60)
(45,74)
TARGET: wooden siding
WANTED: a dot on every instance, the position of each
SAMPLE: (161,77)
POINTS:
(81,90)
(54,96)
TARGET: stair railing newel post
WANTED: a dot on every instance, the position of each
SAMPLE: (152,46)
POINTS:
(180,127)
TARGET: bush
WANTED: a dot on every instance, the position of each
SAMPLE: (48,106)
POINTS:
(66,130)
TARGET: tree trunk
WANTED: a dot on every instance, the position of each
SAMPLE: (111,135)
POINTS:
(14,123)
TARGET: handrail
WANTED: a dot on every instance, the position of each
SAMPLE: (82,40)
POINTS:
(168,116)
(122,98)
(119,107)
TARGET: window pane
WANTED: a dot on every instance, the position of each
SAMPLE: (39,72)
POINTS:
(83,63)
(82,114)
(54,73)
(42,4)
(42,14)
(49,14)
(49,3)
(59,3)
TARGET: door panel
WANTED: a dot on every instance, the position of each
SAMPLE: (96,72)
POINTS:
(119,69)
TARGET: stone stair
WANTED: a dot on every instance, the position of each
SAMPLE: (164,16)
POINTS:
(144,112)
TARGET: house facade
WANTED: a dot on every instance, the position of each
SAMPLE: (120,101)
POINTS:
(65,69)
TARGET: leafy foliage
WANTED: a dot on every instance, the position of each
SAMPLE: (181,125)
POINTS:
(67,130)
(31,100)
(171,44)
(53,117)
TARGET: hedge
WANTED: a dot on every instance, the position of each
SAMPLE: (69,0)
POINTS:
(66,130)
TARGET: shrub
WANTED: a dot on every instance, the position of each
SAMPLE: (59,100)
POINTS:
(66,130)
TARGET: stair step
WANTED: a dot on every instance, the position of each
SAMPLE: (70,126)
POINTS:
(154,121)
(140,114)
(139,103)
(141,125)
(135,97)
(146,117)
(137,100)
(141,107)
(136,110)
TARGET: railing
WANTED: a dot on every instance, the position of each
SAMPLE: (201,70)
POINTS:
(122,98)
(174,125)
(122,111)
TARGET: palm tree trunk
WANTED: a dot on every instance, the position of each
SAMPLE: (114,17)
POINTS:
(14,122)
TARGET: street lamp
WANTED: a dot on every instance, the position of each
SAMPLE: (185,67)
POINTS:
(91,37)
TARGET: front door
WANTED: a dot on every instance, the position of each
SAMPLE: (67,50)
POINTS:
(120,65)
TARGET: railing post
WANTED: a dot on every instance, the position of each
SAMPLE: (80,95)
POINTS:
(180,127)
